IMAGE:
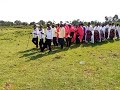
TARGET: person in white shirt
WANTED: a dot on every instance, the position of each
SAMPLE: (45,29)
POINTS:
(41,36)
(61,35)
(107,31)
(112,31)
(49,38)
(97,33)
(54,32)
(117,31)
(103,32)
(35,36)
(89,33)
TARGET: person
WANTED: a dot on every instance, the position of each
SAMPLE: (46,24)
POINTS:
(81,32)
(61,33)
(102,32)
(49,37)
(89,33)
(106,31)
(117,31)
(54,32)
(96,33)
(72,35)
(67,35)
(112,31)
(35,35)
(84,28)
(41,36)
(77,34)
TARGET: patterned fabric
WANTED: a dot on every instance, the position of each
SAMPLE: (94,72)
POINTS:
(117,34)
(112,33)
(88,35)
(102,34)
(106,33)
(96,36)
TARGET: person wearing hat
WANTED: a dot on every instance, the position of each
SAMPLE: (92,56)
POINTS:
(41,36)
(49,37)
(35,35)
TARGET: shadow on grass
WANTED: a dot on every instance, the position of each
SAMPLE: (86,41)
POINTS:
(34,54)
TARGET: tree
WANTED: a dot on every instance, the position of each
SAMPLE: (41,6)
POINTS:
(8,23)
(75,22)
(115,18)
(17,22)
(118,20)
(112,19)
(41,22)
(50,22)
(24,23)
(32,23)
(2,23)
(106,18)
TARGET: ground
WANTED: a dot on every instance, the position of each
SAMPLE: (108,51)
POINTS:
(81,67)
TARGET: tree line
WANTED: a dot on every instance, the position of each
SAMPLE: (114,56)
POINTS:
(113,19)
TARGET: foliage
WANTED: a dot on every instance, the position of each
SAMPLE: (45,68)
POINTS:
(41,22)
(112,19)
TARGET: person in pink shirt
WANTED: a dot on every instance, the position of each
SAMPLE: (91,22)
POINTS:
(77,34)
(81,31)
(67,35)
(72,31)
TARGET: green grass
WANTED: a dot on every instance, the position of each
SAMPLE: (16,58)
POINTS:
(29,69)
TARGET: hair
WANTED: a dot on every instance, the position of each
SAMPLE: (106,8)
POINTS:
(61,25)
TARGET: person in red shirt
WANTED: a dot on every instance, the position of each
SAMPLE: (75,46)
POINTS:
(81,32)
(77,34)
(67,35)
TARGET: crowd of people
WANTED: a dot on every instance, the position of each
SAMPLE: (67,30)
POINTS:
(66,34)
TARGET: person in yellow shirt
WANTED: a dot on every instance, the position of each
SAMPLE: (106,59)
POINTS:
(54,32)
(61,35)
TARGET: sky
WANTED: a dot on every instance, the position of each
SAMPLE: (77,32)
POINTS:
(58,10)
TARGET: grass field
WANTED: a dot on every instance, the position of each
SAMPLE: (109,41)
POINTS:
(84,67)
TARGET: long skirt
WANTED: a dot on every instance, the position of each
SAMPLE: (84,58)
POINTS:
(96,36)
(88,35)
(112,34)
(117,34)
(106,33)
(102,35)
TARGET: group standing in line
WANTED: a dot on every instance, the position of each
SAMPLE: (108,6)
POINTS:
(66,34)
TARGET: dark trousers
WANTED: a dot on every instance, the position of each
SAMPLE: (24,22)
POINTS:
(117,34)
(72,34)
(55,41)
(77,39)
(112,34)
(41,44)
(35,41)
(47,43)
(68,41)
(61,42)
